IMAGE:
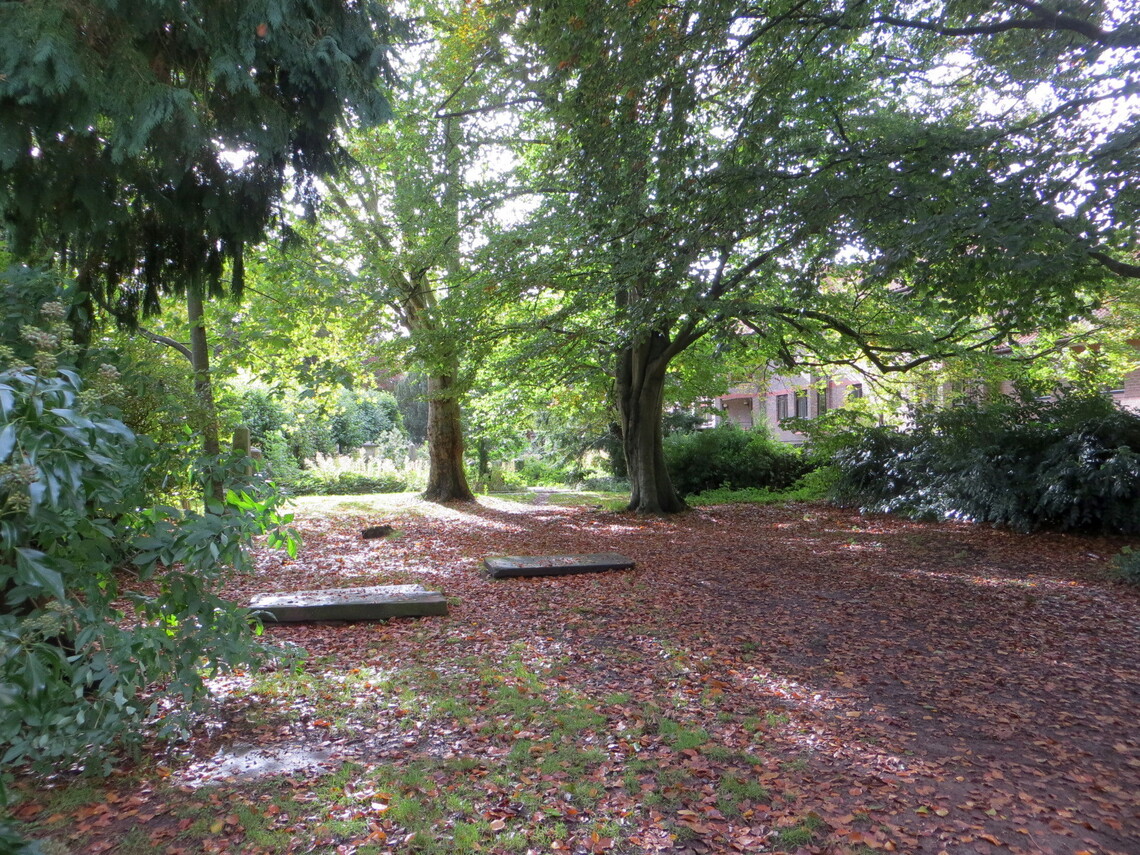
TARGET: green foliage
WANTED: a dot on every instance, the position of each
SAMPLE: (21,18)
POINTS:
(815,486)
(81,648)
(294,432)
(118,122)
(537,472)
(362,417)
(23,292)
(729,457)
(803,170)
(316,482)
(1072,465)
(410,394)
(262,413)
(1126,566)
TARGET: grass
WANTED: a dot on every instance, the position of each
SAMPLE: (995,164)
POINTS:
(529,731)
(802,833)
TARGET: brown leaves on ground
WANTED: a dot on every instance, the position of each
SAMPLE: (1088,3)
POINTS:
(893,686)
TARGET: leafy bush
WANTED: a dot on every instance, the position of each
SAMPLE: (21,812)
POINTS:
(1126,566)
(319,483)
(877,472)
(727,456)
(536,472)
(262,413)
(344,475)
(605,484)
(362,417)
(82,648)
(812,487)
(1072,465)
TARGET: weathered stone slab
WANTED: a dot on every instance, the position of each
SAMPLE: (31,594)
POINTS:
(508,566)
(377,602)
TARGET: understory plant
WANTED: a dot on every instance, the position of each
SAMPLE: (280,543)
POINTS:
(110,617)
(1126,566)
(1070,465)
(353,475)
(727,456)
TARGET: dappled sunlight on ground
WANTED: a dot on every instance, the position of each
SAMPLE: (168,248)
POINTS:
(867,684)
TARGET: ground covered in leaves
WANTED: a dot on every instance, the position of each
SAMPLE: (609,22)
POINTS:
(791,679)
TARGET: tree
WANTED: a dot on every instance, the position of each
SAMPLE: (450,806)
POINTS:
(146,143)
(847,182)
(400,222)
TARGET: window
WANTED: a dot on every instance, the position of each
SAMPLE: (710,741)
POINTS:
(802,404)
(781,407)
(821,402)
(855,391)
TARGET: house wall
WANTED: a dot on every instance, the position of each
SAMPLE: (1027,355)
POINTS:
(740,411)
(1130,397)
(751,404)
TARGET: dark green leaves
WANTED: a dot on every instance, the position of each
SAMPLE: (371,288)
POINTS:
(152,140)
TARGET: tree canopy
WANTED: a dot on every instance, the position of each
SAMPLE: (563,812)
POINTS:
(851,184)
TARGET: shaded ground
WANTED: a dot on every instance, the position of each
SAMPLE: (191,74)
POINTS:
(767,679)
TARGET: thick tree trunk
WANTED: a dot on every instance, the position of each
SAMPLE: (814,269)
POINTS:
(641,394)
(207,414)
(447,482)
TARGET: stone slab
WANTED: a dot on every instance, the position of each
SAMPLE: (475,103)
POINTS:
(377,602)
(508,566)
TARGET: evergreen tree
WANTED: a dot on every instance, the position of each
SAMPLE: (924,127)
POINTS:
(145,143)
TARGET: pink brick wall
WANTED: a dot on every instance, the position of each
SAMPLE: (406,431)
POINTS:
(1131,396)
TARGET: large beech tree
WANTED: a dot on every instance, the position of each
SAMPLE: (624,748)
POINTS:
(854,181)
(145,143)
(402,225)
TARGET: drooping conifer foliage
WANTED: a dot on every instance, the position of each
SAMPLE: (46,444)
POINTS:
(147,141)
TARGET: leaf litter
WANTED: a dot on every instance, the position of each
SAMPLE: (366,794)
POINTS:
(766,679)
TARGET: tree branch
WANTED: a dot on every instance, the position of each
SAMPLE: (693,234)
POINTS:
(1120,268)
(1042,19)
(169,342)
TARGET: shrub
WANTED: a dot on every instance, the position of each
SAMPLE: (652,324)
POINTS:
(362,417)
(342,475)
(605,484)
(81,648)
(536,472)
(812,487)
(727,456)
(1126,566)
(1071,465)
(877,473)
(319,483)
(262,413)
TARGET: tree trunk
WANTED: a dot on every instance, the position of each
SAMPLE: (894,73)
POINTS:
(447,482)
(207,415)
(641,394)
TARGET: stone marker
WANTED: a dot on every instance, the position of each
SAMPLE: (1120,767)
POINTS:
(373,603)
(555,565)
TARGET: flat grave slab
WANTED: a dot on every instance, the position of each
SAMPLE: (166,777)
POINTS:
(376,602)
(508,566)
